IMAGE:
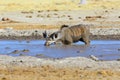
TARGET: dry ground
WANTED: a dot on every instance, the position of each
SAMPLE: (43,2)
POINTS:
(52,73)
(17,5)
(50,14)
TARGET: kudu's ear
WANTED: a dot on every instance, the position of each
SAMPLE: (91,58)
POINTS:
(56,35)
(45,34)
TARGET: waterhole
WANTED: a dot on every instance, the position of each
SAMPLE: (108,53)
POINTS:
(102,49)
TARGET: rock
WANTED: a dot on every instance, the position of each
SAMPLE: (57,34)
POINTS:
(28,41)
(118,59)
(93,17)
(7,47)
(5,19)
(15,51)
(22,55)
(78,51)
(21,61)
(25,50)
(118,49)
(94,58)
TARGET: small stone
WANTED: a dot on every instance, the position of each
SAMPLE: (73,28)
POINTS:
(106,11)
(79,17)
(13,61)
(118,49)
(15,51)
(21,61)
(3,78)
(22,55)
(28,41)
(118,59)
(94,58)
(5,19)
(39,55)
(25,50)
(78,51)
(70,18)
(7,47)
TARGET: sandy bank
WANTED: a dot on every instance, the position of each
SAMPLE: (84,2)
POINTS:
(98,33)
(31,68)
(80,62)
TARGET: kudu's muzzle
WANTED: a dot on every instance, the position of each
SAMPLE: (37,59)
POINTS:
(47,44)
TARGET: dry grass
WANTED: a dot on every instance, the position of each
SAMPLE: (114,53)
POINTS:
(25,26)
(14,5)
(52,73)
(29,26)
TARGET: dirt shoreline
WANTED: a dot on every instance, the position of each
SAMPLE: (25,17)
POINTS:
(36,34)
(92,37)
(31,68)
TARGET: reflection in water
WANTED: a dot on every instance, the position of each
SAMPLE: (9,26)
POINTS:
(103,49)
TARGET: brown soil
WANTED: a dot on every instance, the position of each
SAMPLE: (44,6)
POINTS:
(26,26)
(52,73)
(30,26)
(33,37)
(105,37)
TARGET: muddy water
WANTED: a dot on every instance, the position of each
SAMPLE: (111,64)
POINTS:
(102,49)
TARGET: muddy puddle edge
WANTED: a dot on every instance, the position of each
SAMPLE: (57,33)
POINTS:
(39,37)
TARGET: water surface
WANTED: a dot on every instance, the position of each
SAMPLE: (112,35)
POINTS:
(103,49)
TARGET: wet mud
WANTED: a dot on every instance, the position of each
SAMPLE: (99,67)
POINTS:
(39,37)
(101,49)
